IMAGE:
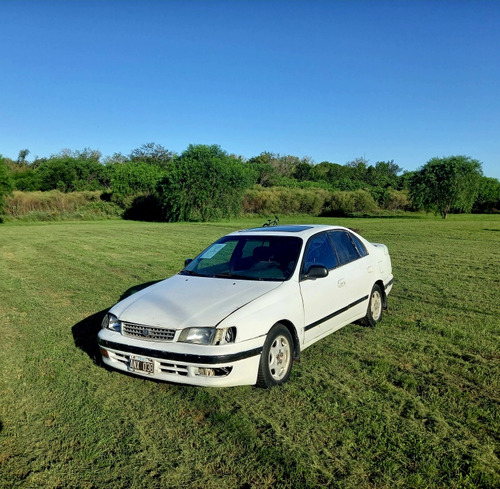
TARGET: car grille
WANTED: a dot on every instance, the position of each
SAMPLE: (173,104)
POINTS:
(148,332)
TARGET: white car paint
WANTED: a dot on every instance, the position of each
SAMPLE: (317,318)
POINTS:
(311,308)
(183,301)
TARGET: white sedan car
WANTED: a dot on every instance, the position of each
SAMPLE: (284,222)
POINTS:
(247,306)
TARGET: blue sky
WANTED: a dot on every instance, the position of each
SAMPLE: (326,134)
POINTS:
(333,80)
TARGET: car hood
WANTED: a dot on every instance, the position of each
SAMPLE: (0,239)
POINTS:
(182,301)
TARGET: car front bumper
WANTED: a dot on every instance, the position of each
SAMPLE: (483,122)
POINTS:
(216,366)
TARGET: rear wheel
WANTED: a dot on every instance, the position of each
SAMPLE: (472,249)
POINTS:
(277,357)
(375,307)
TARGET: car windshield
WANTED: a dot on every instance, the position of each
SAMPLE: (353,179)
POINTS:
(248,258)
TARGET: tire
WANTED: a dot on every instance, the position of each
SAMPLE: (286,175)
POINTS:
(375,307)
(277,357)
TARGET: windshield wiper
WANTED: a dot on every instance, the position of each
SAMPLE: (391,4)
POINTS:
(234,275)
(190,272)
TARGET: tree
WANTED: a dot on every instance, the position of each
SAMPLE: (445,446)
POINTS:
(86,154)
(358,168)
(131,179)
(27,180)
(488,199)
(284,165)
(152,153)
(203,183)
(446,184)
(5,184)
(115,158)
(384,174)
(23,154)
(266,174)
(303,172)
(70,174)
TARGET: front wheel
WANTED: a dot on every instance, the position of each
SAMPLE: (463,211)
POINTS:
(375,307)
(277,357)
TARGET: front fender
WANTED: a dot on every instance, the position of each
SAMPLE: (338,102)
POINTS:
(283,304)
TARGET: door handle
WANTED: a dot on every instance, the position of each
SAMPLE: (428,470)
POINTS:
(341,282)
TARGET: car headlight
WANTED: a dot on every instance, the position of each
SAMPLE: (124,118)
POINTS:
(110,321)
(208,336)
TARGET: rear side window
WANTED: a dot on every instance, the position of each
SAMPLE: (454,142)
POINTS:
(344,246)
(359,245)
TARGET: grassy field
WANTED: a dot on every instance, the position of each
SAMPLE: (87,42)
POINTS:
(413,402)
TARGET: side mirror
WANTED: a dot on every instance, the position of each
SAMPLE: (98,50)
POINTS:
(316,271)
(187,261)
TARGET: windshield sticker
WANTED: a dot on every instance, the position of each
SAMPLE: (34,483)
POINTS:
(213,250)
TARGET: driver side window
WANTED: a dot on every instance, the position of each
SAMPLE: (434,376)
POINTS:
(319,252)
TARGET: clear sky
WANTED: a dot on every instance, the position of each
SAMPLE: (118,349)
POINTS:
(334,80)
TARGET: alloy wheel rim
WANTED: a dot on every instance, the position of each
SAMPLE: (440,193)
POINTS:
(279,357)
(376,305)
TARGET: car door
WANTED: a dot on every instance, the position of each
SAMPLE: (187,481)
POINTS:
(333,301)
(321,297)
(357,271)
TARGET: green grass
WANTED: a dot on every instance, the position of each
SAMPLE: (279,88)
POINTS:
(413,402)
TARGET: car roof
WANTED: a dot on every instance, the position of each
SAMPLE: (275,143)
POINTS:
(300,230)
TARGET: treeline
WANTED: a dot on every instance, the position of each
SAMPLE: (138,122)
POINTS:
(205,183)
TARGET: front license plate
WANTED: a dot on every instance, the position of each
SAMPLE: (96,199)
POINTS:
(142,365)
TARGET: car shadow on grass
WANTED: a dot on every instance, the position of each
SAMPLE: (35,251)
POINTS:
(85,331)
(85,335)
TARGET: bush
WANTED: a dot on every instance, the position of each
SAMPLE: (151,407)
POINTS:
(132,179)
(202,184)
(488,200)
(69,174)
(397,200)
(53,205)
(27,180)
(282,200)
(98,210)
(344,203)
(5,184)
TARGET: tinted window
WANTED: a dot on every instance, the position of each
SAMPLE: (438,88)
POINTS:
(248,258)
(319,252)
(218,255)
(359,245)
(346,251)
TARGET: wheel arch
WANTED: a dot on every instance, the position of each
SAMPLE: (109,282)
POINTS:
(380,283)
(295,337)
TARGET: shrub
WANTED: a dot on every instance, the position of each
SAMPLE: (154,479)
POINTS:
(27,180)
(98,210)
(282,200)
(5,184)
(488,200)
(381,195)
(132,179)
(202,184)
(54,205)
(397,200)
(69,174)
(345,203)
